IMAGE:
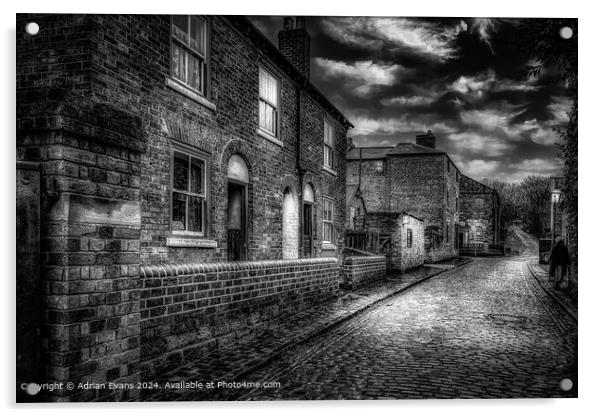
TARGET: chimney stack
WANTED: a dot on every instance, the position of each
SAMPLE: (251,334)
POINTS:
(429,140)
(294,43)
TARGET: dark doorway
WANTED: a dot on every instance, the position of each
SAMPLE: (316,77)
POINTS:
(237,222)
(308,230)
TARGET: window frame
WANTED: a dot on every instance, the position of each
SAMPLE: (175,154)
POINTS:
(191,152)
(330,201)
(278,80)
(204,66)
(332,147)
(409,238)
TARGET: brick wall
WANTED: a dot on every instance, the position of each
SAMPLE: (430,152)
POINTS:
(190,309)
(374,183)
(124,60)
(412,256)
(89,231)
(95,109)
(363,270)
(479,208)
(420,186)
(402,256)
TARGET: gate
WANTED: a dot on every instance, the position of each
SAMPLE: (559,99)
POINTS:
(370,243)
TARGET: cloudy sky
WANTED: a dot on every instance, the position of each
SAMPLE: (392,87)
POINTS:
(463,78)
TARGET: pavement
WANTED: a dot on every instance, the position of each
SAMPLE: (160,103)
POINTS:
(541,273)
(233,362)
(487,329)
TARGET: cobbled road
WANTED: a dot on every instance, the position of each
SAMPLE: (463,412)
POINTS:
(485,330)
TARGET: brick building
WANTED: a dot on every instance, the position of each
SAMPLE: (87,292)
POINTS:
(162,147)
(416,178)
(479,215)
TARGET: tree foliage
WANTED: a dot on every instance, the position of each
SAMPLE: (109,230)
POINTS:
(548,50)
(527,202)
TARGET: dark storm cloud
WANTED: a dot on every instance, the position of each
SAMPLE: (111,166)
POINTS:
(463,78)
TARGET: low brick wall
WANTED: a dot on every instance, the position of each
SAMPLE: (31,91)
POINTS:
(188,310)
(361,270)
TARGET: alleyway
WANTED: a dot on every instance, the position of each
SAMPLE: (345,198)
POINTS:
(481,331)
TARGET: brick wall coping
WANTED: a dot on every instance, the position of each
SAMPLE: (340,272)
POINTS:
(365,258)
(164,270)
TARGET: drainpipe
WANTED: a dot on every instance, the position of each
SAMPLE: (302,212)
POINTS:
(300,170)
(359,186)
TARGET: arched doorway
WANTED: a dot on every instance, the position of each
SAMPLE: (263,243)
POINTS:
(238,181)
(308,220)
(290,226)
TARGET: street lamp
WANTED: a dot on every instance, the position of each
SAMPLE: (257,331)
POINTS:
(555,199)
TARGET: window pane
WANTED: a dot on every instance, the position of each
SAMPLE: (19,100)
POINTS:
(178,211)
(328,235)
(197,34)
(180,171)
(197,176)
(268,87)
(327,156)
(262,115)
(328,134)
(194,73)
(179,62)
(195,214)
(180,28)
(267,117)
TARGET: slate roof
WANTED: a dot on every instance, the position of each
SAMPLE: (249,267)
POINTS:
(406,148)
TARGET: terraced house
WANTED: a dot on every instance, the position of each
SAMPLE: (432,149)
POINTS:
(179,180)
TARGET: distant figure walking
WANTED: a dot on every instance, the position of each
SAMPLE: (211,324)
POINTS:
(559,263)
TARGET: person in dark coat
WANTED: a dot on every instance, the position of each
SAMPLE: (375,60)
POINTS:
(559,262)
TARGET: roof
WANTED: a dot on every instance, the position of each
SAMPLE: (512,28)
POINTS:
(472,186)
(258,38)
(401,149)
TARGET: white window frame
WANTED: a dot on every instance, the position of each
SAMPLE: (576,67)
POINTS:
(203,58)
(191,153)
(327,201)
(266,100)
(329,147)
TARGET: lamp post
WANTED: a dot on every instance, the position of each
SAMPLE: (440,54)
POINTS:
(555,199)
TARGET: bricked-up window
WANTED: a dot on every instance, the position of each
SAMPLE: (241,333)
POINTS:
(189,51)
(189,196)
(328,144)
(268,102)
(409,238)
(328,219)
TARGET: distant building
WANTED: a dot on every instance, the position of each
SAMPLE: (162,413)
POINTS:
(479,215)
(416,178)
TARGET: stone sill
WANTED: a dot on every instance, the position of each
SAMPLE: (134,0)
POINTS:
(188,92)
(328,246)
(329,170)
(190,242)
(270,137)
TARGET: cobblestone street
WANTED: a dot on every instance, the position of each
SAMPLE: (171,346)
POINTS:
(481,331)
